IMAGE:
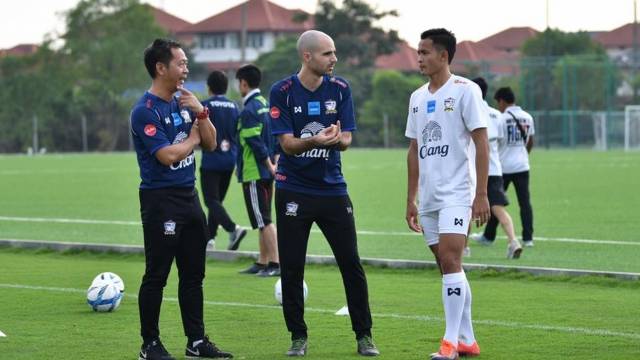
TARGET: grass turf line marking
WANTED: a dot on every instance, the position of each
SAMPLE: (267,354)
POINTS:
(359,232)
(423,318)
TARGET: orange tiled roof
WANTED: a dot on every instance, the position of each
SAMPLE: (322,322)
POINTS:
(261,15)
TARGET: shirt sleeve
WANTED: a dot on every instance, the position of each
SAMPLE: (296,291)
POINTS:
(474,112)
(345,110)
(532,128)
(146,125)
(250,132)
(280,114)
(410,130)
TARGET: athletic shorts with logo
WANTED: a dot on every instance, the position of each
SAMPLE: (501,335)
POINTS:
(257,198)
(449,220)
(495,191)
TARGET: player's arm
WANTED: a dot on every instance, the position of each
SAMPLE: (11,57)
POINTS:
(207,130)
(345,140)
(480,208)
(529,143)
(176,152)
(412,186)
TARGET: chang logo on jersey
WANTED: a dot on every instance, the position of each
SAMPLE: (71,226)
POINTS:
(186,162)
(180,138)
(309,130)
(431,134)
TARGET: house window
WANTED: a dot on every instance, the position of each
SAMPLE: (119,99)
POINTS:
(212,41)
(255,40)
(234,40)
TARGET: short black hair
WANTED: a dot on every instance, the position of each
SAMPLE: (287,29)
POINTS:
(442,39)
(506,94)
(217,82)
(159,52)
(483,85)
(251,74)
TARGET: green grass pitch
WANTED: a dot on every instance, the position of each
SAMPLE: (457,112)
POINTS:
(44,314)
(576,196)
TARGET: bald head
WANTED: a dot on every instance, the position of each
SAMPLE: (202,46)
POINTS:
(311,40)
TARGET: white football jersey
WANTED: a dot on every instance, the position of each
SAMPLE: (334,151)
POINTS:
(441,123)
(513,151)
(495,131)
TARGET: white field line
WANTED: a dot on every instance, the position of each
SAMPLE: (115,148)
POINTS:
(423,318)
(360,232)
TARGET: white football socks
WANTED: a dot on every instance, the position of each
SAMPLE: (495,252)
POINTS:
(453,297)
(466,327)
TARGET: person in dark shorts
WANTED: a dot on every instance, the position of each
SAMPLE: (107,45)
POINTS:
(514,150)
(256,168)
(495,187)
(217,166)
(165,130)
(312,114)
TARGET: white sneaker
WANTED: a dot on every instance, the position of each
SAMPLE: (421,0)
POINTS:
(235,237)
(528,243)
(480,239)
(466,252)
(514,250)
(211,244)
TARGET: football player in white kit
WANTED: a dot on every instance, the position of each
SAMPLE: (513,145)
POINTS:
(445,114)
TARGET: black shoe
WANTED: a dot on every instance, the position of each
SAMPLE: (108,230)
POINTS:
(366,347)
(298,347)
(235,237)
(253,269)
(273,269)
(206,350)
(154,351)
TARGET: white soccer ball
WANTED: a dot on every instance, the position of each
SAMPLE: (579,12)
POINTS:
(105,293)
(108,277)
(278,291)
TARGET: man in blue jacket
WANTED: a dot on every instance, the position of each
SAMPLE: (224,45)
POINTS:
(217,166)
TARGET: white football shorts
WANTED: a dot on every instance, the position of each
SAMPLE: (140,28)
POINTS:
(450,220)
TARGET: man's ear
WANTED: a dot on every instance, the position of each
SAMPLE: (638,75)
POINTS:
(161,68)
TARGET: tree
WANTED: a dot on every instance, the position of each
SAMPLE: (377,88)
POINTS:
(279,63)
(390,97)
(552,59)
(358,41)
(108,63)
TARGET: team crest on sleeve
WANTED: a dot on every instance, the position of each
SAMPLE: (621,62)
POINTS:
(170,227)
(150,130)
(330,107)
(274,112)
(449,103)
(292,209)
